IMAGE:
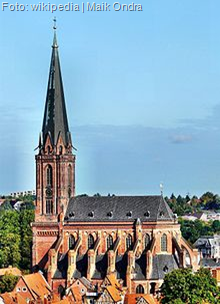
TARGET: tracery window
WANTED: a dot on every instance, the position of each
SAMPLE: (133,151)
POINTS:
(69,175)
(90,241)
(109,242)
(164,242)
(71,242)
(49,176)
(146,241)
(49,206)
(129,242)
(140,289)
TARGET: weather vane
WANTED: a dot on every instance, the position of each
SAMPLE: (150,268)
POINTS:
(54,23)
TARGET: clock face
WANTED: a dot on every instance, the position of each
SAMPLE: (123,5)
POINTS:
(48,192)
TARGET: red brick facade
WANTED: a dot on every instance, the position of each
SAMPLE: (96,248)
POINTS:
(59,244)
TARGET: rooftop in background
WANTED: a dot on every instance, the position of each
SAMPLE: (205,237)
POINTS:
(10,270)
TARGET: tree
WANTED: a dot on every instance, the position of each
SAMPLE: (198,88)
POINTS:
(8,282)
(191,288)
(216,226)
(26,217)
(9,238)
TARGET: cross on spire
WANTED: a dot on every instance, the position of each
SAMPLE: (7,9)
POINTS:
(54,23)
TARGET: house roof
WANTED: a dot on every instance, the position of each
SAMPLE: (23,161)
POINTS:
(112,280)
(114,293)
(36,284)
(134,298)
(76,294)
(10,270)
(211,263)
(13,297)
(118,208)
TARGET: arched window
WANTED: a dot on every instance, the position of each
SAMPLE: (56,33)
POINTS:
(61,291)
(49,206)
(164,242)
(71,242)
(90,241)
(61,150)
(69,175)
(140,289)
(146,241)
(109,242)
(48,150)
(49,176)
(129,242)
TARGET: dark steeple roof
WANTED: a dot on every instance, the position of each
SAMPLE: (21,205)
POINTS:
(55,117)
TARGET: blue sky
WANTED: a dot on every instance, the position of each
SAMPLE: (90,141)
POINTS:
(142,92)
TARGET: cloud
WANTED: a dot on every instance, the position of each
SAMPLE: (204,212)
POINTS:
(181,138)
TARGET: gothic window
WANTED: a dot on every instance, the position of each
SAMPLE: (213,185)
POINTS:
(48,149)
(152,288)
(69,175)
(129,242)
(90,241)
(164,242)
(61,291)
(71,242)
(109,242)
(69,192)
(147,241)
(60,150)
(140,289)
(49,206)
(49,176)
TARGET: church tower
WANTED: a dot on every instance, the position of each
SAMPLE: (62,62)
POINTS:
(55,162)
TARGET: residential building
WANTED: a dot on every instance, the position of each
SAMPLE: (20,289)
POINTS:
(209,246)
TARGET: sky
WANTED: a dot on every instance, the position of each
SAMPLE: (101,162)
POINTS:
(142,91)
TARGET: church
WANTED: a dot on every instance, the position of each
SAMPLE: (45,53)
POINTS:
(135,238)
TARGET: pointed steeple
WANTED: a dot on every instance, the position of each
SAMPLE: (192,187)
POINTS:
(55,121)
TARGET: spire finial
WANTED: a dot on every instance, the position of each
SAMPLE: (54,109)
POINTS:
(55,45)
(54,23)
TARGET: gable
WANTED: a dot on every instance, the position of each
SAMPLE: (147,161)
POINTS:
(105,298)
(141,300)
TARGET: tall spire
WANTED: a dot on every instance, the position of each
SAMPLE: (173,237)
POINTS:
(55,121)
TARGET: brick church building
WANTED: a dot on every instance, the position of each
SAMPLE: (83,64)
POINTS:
(136,238)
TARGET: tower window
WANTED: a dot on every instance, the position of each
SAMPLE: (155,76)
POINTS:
(140,289)
(49,206)
(90,241)
(109,242)
(129,242)
(61,150)
(146,241)
(164,242)
(69,175)
(49,176)
(71,242)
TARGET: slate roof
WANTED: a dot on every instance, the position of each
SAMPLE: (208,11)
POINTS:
(62,265)
(118,208)
(100,267)
(121,264)
(81,266)
(140,268)
(212,263)
(55,116)
(162,264)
